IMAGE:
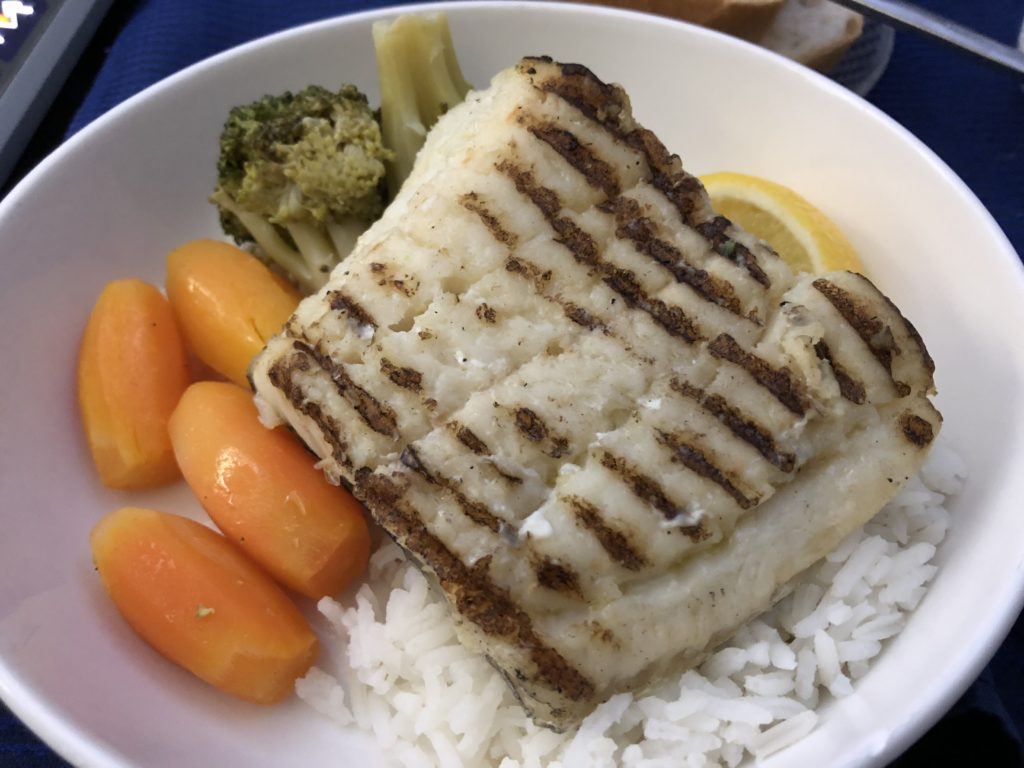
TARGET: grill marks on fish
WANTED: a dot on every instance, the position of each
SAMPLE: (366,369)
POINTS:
(595,171)
(376,415)
(527,269)
(614,542)
(341,302)
(780,382)
(530,424)
(642,232)
(540,279)
(402,376)
(849,387)
(536,430)
(468,438)
(547,202)
(916,430)
(686,451)
(872,331)
(577,85)
(489,607)
(582,317)
(670,317)
(683,191)
(912,332)
(474,510)
(282,376)
(557,577)
(517,265)
(471,201)
(716,230)
(741,425)
(649,490)
(486,313)
(585,251)
(606,106)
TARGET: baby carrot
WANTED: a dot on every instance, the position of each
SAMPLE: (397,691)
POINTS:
(261,488)
(202,604)
(132,368)
(228,304)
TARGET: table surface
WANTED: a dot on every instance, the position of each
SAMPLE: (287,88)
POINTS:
(971,115)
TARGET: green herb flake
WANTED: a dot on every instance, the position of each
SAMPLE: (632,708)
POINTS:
(202,611)
(728,248)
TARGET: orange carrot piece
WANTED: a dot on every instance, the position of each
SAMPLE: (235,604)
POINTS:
(132,368)
(228,304)
(261,488)
(189,593)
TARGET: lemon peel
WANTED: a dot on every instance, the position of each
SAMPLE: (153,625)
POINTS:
(802,235)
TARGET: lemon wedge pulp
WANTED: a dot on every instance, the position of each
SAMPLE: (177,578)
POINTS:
(803,236)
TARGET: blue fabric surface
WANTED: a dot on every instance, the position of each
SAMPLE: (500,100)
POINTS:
(970,115)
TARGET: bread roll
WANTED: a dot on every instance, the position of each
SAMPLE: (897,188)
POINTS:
(814,32)
(748,19)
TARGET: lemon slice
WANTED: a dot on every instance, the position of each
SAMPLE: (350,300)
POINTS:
(800,233)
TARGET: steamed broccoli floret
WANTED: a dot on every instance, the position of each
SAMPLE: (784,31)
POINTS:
(420,80)
(302,175)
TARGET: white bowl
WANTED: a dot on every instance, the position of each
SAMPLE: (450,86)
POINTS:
(118,196)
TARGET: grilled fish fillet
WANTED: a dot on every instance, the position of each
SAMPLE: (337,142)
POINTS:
(612,425)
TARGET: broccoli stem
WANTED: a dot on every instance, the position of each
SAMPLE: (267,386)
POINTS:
(438,81)
(270,242)
(316,250)
(420,80)
(345,233)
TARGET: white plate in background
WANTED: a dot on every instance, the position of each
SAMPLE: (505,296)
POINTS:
(863,65)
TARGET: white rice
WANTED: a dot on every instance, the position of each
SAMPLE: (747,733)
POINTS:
(405,678)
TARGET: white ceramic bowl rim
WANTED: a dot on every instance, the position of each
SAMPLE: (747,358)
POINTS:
(78,747)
